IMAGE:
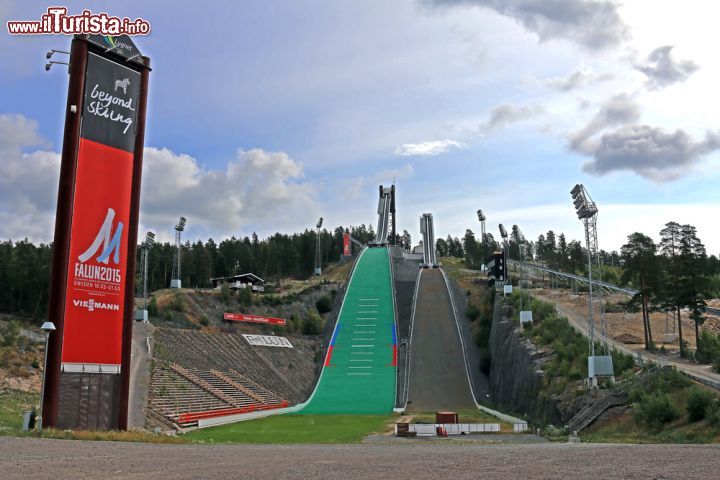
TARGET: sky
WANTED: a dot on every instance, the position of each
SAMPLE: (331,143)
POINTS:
(263,116)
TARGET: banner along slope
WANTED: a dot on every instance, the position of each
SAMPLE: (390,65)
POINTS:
(360,366)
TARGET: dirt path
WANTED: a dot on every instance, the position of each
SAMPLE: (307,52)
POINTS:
(22,458)
(579,321)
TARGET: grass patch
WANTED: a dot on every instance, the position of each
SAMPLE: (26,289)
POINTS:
(12,406)
(292,429)
(665,410)
(568,365)
(466,415)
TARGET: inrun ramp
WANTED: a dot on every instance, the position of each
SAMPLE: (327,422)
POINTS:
(359,374)
(438,378)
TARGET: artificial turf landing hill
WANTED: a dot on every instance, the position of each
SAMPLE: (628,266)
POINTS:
(359,374)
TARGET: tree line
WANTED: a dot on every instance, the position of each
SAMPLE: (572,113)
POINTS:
(25,267)
(674,274)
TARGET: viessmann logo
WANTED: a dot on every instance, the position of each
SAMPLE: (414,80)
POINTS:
(91,305)
(107,247)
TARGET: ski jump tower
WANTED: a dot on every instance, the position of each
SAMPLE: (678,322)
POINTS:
(385,234)
(428,233)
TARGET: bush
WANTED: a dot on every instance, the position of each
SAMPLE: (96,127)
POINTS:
(35,364)
(10,332)
(244,297)
(178,304)
(698,403)
(204,321)
(225,293)
(313,324)
(654,411)
(472,313)
(709,351)
(713,413)
(324,304)
(152,307)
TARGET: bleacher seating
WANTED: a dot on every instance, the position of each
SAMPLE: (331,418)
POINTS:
(201,375)
(185,395)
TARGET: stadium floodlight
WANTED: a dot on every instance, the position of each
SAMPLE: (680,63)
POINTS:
(504,236)
(145,246)
(481,219)
(587,212)
(318,260)
(503,232)
(525,316)
(175,278)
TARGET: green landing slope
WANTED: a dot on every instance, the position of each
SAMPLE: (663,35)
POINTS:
(360,367)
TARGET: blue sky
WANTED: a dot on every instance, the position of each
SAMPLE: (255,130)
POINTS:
(265,115)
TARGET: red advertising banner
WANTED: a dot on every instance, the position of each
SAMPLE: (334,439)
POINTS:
(96,277)
(241,317)
(346,245)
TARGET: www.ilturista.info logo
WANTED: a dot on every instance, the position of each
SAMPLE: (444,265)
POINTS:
(108,246)
(91,305)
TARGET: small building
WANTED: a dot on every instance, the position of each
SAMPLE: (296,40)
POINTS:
(243,280)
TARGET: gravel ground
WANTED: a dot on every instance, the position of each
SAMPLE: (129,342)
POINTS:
(56,459)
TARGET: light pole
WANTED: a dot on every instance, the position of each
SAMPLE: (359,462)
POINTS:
(587,212)
(144,250)
(318,260)
(504,235)
(47,328)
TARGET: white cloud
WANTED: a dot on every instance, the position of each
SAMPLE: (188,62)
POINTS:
(258,189)
(427,148)
(28,181)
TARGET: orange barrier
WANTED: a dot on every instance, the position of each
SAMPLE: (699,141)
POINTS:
(185,418)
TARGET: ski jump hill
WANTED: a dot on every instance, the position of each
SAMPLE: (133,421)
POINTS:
(360,368)
(437,373)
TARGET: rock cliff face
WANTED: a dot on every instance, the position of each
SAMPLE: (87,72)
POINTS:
(516,374)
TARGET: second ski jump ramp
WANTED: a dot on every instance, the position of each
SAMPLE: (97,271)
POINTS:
(359,373)
(437,374)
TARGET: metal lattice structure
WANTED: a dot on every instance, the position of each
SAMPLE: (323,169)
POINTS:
(175,277)
(145,247)
(522,244)
(504,236)
(318,259)
(587,212)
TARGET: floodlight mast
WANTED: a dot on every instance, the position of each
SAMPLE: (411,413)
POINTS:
(587,212)
(504,236)
(145,246)
(318,262)
(179,228)
(521,243)
(481,219)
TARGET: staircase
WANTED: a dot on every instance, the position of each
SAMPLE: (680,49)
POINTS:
(618,397)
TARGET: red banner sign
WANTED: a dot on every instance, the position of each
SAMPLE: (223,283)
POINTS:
(96,277)
(241,317)
(346,245)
